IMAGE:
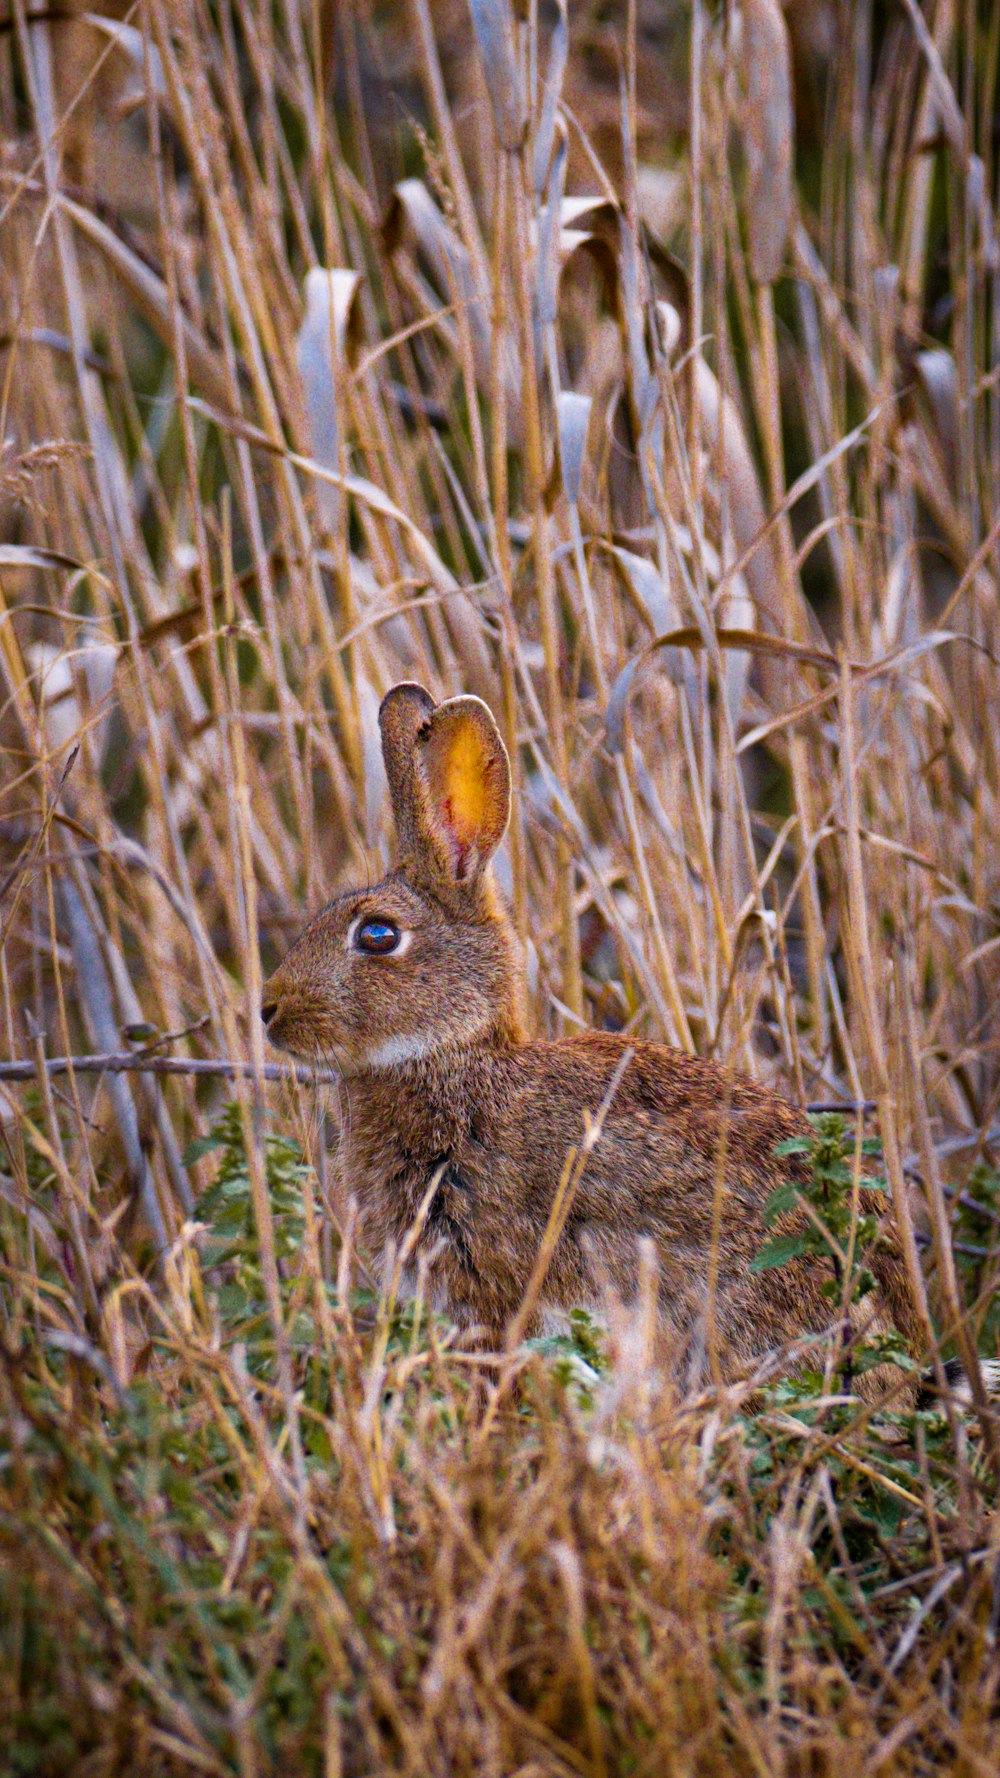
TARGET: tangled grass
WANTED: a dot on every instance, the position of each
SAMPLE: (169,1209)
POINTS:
(638,370)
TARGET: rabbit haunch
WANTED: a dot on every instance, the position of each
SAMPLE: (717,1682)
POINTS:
(442,1081)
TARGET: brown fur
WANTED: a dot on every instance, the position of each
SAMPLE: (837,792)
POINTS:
(683,1144)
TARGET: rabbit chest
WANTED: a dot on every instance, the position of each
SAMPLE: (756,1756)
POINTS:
(426,1156)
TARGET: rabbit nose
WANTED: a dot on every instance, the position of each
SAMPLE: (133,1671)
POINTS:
(268,1010)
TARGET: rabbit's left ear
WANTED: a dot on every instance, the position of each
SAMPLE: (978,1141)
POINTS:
(403,713)
(462,785)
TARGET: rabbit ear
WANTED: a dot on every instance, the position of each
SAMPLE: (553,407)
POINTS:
(403,712)
(462,785)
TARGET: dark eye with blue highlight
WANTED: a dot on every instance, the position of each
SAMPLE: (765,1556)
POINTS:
(377,937)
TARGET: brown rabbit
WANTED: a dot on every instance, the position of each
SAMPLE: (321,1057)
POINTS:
(414,989)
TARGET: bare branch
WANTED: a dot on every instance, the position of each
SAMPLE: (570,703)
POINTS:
(142,1064)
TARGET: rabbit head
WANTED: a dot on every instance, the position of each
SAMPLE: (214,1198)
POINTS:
(426,960)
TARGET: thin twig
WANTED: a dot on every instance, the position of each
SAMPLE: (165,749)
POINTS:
(848,1107)
(145,1064)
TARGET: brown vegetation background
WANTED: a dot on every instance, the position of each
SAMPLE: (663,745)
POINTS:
(636,366)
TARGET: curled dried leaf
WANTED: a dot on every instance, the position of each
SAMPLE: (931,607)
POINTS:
(413,220)
(493,23)
(729,451)
(647,586)
(938,379)
(74,690)
(138,50)
(330,323)
(545,134)
(768,135)
(549,240)
(572,420)
(29,555)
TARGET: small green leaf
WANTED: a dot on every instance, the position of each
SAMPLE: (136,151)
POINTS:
(201,1146)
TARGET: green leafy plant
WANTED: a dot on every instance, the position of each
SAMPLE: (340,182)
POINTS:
(232,1245)
(976,1233)
(577,1354)
(831,1211)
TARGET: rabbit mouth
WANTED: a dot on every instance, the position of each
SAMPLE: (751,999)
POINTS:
(299,1031)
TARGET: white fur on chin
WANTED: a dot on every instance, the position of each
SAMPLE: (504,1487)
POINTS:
(397,1050)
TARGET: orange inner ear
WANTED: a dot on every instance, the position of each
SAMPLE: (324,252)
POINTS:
(468,781)
(463,786)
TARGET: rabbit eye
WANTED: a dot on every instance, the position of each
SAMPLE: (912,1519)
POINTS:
(377,937)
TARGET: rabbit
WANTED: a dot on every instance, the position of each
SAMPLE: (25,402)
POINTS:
(414,989)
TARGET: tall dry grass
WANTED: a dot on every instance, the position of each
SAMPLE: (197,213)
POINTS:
(638,370)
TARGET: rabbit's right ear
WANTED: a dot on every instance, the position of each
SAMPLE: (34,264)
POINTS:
(449,780)
(462,786)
